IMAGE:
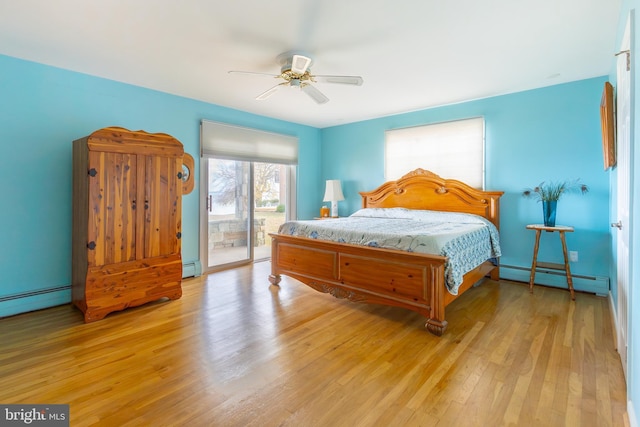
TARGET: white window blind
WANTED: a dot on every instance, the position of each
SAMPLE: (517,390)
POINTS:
(225,141)
(453,150)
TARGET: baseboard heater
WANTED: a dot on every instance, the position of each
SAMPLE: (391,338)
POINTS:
(50,297)
(549,274)
(34,300)
(34,293)
(191,269)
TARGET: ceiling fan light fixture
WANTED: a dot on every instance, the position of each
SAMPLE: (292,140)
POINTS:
(299,64)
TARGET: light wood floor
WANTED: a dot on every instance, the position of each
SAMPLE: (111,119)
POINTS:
(235,352)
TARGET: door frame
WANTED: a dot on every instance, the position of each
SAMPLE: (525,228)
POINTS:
(622,231)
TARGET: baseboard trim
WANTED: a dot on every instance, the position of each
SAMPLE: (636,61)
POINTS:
(614,320)
(557,279)
(633,421)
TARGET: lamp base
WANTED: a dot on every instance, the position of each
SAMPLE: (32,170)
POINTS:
(334,209)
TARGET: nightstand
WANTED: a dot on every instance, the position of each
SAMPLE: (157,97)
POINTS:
(561,229)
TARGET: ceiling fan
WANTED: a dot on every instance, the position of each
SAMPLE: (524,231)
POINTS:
(295,71)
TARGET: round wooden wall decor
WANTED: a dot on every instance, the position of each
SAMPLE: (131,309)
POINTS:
(188,181)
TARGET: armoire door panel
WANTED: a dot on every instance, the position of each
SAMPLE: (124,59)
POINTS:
(121,198)
(162,207)
(112,223)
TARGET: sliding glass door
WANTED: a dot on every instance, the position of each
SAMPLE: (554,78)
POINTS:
(245,201)
(229,212)
(248,184)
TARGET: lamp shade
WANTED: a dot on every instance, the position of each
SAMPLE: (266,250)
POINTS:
(333,191)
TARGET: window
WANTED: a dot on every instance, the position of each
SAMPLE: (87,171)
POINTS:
(453,150)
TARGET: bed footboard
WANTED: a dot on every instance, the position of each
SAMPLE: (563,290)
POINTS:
(365,274)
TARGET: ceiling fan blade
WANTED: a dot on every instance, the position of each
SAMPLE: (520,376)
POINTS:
(299,64)
(266,94)
(315,94)
(344,80)
(253,73)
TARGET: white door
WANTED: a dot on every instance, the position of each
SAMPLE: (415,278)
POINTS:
(623,192)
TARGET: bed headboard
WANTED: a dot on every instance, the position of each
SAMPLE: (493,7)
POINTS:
(422,189)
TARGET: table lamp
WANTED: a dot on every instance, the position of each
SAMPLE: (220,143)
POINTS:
(333,194)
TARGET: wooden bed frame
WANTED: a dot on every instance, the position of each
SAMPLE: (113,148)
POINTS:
(383,276)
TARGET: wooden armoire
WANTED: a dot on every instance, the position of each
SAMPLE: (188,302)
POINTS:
(127,202)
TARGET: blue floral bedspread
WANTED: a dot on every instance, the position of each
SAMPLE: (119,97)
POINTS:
(466,240)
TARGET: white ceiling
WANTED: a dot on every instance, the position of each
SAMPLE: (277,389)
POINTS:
(412,54)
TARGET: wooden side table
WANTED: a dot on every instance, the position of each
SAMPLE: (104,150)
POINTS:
(561,229)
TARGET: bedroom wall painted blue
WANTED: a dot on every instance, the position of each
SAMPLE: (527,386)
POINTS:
(545,134)
(42,110)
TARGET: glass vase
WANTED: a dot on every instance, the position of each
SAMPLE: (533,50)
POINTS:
(549,212)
